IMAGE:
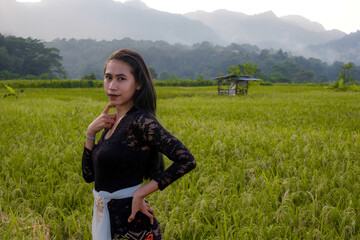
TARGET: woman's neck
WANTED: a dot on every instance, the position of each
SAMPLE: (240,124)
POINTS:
(122,110)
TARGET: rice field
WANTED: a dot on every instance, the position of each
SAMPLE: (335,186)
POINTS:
(280,163)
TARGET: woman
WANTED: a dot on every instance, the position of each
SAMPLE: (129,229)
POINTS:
(128,152)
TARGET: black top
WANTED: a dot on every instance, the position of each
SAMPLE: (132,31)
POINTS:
(120,161)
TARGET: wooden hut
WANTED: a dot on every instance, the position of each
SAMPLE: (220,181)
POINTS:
(233,85)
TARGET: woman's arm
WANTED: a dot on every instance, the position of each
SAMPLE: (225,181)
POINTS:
(104,120)
(159,138)
(87,166)
(139,203)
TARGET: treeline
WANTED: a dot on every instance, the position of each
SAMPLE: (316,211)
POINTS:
(28,58)
(83,83)
(32,59)
(204,60)
(55,83)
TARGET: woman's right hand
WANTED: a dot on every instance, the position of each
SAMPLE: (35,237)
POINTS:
(105,120)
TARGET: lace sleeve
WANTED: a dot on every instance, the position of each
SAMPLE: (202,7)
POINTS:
(157,136)
(87,166)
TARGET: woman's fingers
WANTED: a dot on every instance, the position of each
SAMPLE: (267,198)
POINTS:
(111,116)
(109,120)
(150,215)
(149,208)
(108,107)
(105,120)
(151,211)
(132,216)
(142,206)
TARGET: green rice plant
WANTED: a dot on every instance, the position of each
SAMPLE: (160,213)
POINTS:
(12,92)
(279,163)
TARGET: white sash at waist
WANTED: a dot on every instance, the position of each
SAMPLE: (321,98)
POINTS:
(101,220)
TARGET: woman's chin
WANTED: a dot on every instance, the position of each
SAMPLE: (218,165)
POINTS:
(113,101)
(114,104)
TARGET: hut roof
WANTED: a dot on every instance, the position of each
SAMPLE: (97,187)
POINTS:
(234,77)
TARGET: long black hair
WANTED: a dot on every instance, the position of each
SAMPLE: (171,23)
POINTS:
(144,98)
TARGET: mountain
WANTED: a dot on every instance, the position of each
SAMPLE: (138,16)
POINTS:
(266,30)
(100,20)
(345,49)
(108,20)
(303,22)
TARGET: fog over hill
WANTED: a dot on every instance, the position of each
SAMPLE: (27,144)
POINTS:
(345,49)
(108,20)
(266,30)
(100,20)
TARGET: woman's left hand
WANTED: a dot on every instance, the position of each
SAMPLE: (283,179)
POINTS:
(140,204)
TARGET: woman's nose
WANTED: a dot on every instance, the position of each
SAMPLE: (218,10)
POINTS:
(113,85)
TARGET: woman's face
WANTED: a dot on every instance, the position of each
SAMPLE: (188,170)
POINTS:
(120,84)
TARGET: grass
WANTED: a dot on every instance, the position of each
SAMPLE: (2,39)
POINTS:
(280,163)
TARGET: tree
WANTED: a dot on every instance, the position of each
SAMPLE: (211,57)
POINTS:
(44,76)
(92,76)
(247,69)
(164,75)
(153,73)
(250,69)
(6,75)
(304,76)
(234,70)
(345,72)
(29,56)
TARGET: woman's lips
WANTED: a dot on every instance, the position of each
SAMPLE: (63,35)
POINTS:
(113,95)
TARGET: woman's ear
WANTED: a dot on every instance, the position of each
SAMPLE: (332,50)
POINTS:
(138,86)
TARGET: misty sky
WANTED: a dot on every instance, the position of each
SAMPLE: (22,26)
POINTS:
(332,14)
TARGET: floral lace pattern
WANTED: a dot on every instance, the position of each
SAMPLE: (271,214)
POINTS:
(157,136)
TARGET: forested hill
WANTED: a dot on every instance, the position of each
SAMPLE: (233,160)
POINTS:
(344,49)
(82,57)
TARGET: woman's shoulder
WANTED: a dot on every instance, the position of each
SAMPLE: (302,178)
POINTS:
(141,113)
(142,117)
